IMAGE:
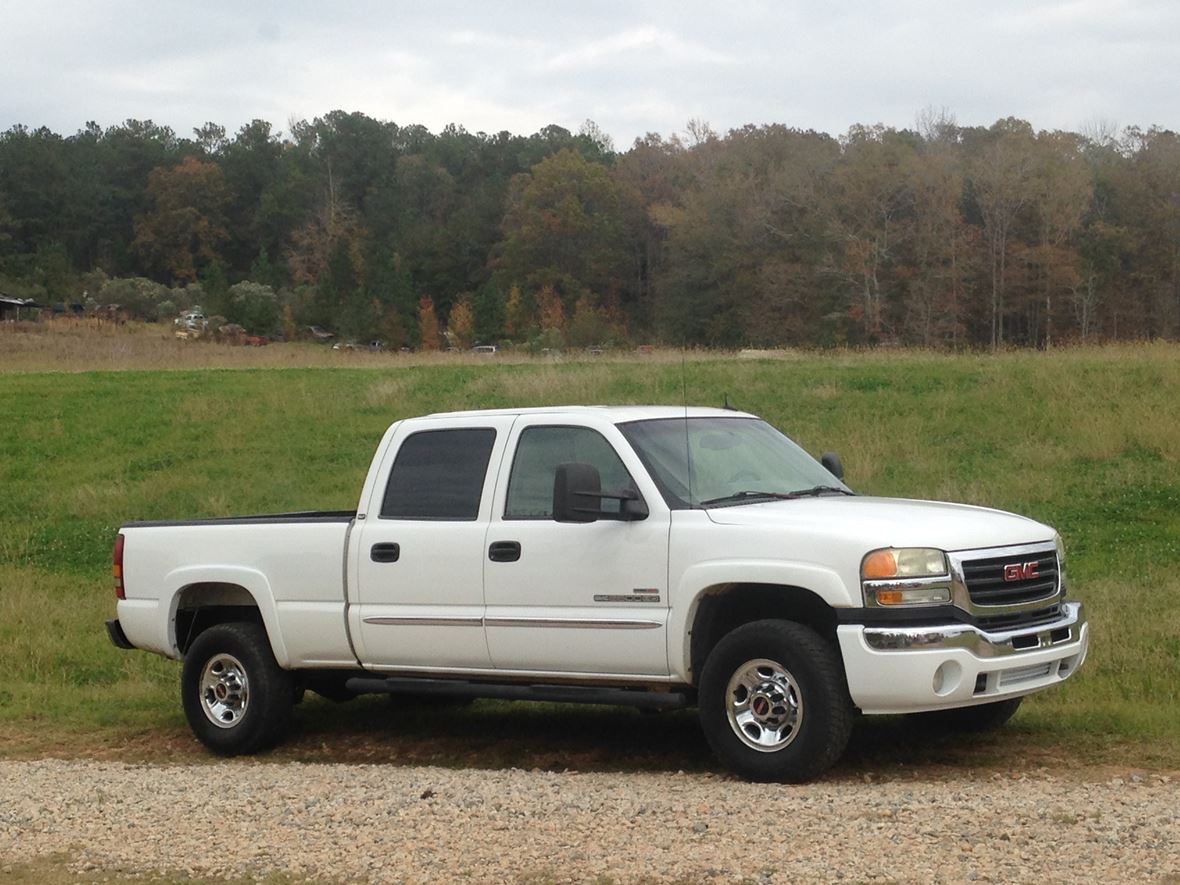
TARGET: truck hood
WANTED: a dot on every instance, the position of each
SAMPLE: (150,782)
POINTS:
(889,522)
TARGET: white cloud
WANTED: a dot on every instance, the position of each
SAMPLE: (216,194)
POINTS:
(519,66)
(646,44)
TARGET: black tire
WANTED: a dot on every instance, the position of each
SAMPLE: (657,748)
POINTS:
(981,717)
(243,686)
(802,747)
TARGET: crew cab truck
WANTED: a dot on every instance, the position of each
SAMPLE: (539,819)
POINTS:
(653,556)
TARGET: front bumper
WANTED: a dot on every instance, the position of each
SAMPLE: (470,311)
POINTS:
(914,669)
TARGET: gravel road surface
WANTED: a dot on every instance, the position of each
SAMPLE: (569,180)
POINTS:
(246,819)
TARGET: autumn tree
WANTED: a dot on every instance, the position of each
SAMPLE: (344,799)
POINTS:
(588,325)
(428,332)
(518,317)
(939,246)
(186,225)
(461,323)
(1061,192)
(550,311)
(1001,186)
(871,201)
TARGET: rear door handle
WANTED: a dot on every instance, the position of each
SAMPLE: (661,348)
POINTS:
(504,551)
(385,552)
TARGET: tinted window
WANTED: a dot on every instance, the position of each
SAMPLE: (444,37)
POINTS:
(540,450)
(439,474)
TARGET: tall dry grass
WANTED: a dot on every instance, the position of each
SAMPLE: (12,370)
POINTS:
(85,345)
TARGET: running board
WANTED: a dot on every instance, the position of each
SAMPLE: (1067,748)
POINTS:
(562,694)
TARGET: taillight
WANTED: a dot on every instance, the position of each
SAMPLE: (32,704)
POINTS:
(117,568)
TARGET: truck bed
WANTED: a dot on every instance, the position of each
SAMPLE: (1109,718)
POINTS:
(292,565)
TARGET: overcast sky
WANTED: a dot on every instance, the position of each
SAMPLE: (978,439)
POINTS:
(633,67)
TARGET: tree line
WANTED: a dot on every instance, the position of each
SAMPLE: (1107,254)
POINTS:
(939,235)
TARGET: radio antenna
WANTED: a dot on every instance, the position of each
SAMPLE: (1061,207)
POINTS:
(684,392)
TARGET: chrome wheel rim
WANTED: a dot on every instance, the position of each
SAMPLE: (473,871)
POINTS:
(225,690)
(764,705)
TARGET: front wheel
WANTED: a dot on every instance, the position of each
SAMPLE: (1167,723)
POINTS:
(236,697)
(773,702)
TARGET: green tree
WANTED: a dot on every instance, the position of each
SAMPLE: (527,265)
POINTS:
(255,307)
(564,228)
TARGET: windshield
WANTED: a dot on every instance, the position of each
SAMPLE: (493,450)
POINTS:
(703,462)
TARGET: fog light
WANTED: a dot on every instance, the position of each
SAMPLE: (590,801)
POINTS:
(947,678)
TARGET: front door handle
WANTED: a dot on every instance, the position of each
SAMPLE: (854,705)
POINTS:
(385,552)
(504,551)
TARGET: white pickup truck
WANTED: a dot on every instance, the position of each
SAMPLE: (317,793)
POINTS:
(652,556)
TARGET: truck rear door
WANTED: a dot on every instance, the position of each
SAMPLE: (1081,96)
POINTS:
(419,552)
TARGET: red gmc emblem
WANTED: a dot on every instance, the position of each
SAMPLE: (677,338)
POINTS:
(1021,571)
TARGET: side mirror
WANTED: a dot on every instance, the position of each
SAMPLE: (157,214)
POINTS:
(831,461)
(577,490)
(578,496)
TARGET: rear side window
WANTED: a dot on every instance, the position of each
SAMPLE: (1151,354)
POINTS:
(439,474)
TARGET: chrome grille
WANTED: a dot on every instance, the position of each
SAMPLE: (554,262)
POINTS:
(986,584)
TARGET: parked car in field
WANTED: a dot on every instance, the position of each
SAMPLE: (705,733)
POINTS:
(652,556)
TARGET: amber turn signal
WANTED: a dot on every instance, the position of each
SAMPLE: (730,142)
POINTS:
(879,564)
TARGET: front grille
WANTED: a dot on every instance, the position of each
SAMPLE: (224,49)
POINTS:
(986,584)
(1020,619)
(1025,674)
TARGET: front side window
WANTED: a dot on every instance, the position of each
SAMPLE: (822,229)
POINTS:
(540,450)
(439,474)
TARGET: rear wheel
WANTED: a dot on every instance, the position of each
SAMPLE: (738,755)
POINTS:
(236,697)
(981,717)
(773,702)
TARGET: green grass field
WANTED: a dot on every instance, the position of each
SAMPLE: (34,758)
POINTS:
(1086,440)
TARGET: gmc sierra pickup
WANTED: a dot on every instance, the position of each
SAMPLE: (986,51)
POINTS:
(652,556)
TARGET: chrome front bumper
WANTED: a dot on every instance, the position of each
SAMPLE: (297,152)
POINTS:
(982,644)
(913,669)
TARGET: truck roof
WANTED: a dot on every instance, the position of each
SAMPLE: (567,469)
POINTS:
(614,414)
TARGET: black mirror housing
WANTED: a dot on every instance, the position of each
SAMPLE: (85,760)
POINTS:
(831,461)
(577,491)
(578,497)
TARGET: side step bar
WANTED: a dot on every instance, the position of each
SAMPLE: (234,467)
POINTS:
(564,694)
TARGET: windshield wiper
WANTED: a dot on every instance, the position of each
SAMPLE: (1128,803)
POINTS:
(745,496)
(754,495)
(816,491)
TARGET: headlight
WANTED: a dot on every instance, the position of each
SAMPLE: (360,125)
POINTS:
(908,562)
(906,576)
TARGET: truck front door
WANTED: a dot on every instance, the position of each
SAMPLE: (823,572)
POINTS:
(574,597)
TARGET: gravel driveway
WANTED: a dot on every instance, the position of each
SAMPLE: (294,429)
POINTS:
(347,822)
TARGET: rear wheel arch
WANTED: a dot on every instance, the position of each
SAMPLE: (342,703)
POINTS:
(198,606)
